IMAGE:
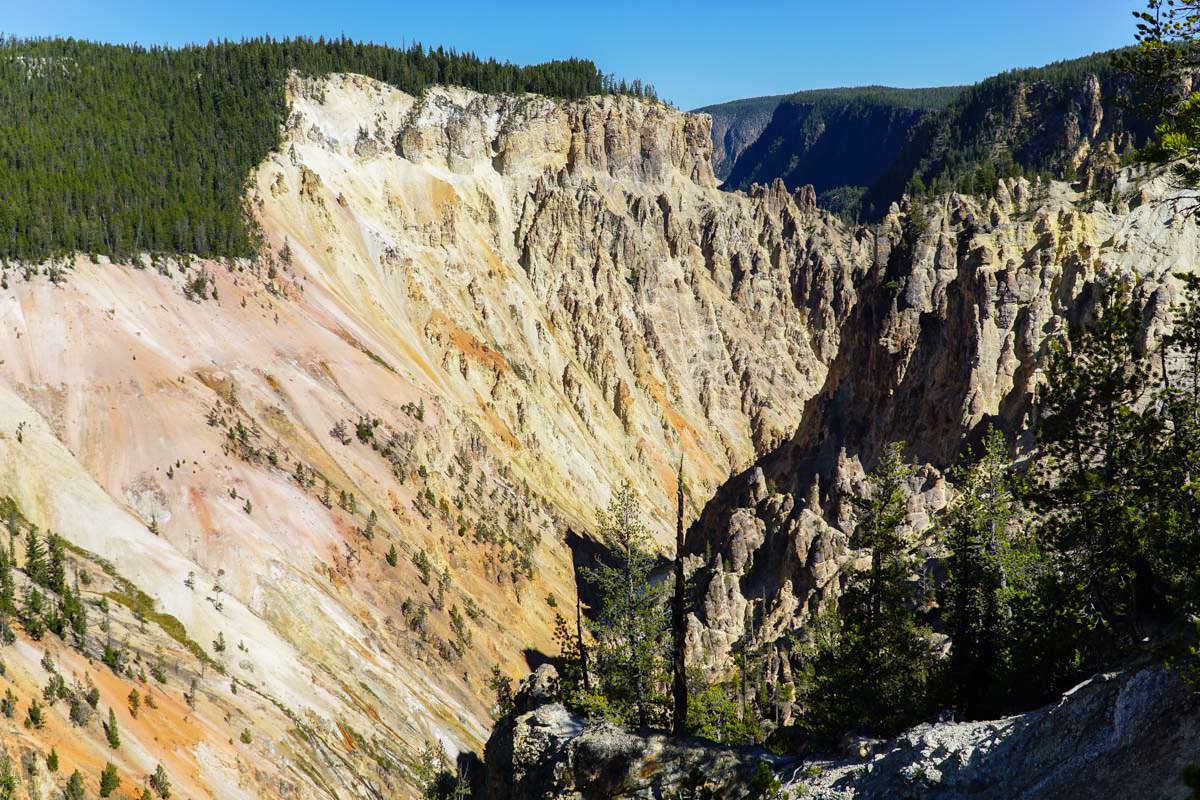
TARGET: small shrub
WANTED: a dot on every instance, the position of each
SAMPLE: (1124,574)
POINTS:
(33,717)
(109,780)
(160,783)
(74,788)
(764,784)
(111,732)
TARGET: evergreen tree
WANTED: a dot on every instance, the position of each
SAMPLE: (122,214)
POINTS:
(1097,441)
(679,617)
(8,591)
(33,716)
(12,523)
(31,614)
(111,732)
(714,713)
(573,683)
(109,780)
(630,623)
(8,781)
(56,572)
(160,782)
(74,789)
(979,533)
(872,662)
(74,612)
(35,557)
(1163,63)
(1174,516)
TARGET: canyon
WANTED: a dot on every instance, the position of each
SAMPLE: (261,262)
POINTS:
(367,462)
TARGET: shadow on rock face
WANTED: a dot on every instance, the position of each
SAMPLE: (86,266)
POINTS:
(535,658)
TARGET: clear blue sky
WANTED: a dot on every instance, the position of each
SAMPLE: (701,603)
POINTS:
(694,53)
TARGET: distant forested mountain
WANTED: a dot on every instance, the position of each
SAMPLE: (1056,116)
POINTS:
(1070,120)
(861,149)
(121,149)
(836,139)
(735,126)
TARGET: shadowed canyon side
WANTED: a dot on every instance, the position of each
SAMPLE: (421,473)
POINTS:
(949,335)
(865,148)
(735,126)
(331,488)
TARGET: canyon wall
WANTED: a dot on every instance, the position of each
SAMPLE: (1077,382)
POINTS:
(329,489)
(324,492)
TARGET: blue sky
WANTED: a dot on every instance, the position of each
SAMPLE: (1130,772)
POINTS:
(694,53)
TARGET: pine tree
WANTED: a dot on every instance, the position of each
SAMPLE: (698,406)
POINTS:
(1162,63)
(74,789)
(109,780)
(872,665)
(31,614)
(33,717)
(978,533)
(13,524)
(75,613)
(8,592)
(679,617)
(111,732)
(1097,437)
(8,781)
(630,624)
(56,573)
(1175,527)
(35,558)
(160,782)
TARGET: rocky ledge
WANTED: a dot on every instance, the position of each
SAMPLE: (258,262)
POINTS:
(1118,735)
(543,751)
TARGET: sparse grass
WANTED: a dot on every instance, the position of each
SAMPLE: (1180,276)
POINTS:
(144,606)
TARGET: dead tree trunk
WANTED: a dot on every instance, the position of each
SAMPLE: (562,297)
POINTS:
(583,662)
(678,618)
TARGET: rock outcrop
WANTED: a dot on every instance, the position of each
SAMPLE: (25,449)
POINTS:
(543,751)
(1116,736)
